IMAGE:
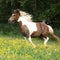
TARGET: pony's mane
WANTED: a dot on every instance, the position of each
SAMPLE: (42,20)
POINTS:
(26,15)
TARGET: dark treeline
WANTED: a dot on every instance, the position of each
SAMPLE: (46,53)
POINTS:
(48,10)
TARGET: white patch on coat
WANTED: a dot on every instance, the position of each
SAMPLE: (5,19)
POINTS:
(31,25)
(50,29)
(27,15)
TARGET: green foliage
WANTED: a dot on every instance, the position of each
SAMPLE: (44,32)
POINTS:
(11,30)
(48,10)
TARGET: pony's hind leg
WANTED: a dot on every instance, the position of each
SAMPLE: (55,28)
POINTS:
(25,38)
(30,40)
(46,40)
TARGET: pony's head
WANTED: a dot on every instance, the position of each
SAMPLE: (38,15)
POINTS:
(15,15)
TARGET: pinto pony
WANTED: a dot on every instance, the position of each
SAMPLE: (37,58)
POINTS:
(32,29)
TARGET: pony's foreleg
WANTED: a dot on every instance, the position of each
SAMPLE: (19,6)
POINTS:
(46,40)
(30,40)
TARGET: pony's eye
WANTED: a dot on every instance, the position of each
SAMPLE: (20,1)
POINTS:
(13,15)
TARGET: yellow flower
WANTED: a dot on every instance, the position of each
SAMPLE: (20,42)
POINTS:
(8,56)
(8,49)
(59,58)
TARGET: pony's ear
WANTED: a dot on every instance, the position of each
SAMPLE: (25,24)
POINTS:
(16,11)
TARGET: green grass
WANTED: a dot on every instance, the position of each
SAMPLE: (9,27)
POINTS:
(14,47)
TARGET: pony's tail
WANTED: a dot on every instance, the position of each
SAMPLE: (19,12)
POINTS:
(53,35)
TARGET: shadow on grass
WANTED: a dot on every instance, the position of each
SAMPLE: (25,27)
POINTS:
(10,30)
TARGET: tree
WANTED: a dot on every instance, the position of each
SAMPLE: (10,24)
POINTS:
(40,9)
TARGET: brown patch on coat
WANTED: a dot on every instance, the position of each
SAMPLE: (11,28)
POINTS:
(45,29)
(23,29)
(38,32)
(42,30)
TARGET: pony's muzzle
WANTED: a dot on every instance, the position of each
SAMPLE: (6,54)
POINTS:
(10,21)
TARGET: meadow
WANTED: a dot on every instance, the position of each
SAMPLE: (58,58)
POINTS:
(14,47)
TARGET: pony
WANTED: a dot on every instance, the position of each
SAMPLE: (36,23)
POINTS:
(32,29)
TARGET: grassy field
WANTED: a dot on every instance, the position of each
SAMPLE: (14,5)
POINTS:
(14,47)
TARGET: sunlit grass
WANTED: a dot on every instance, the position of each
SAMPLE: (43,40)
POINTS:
(19,49)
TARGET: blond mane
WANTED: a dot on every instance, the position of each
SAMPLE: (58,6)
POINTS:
(26,15)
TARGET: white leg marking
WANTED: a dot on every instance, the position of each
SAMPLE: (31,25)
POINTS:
(30,40)
(46,40)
